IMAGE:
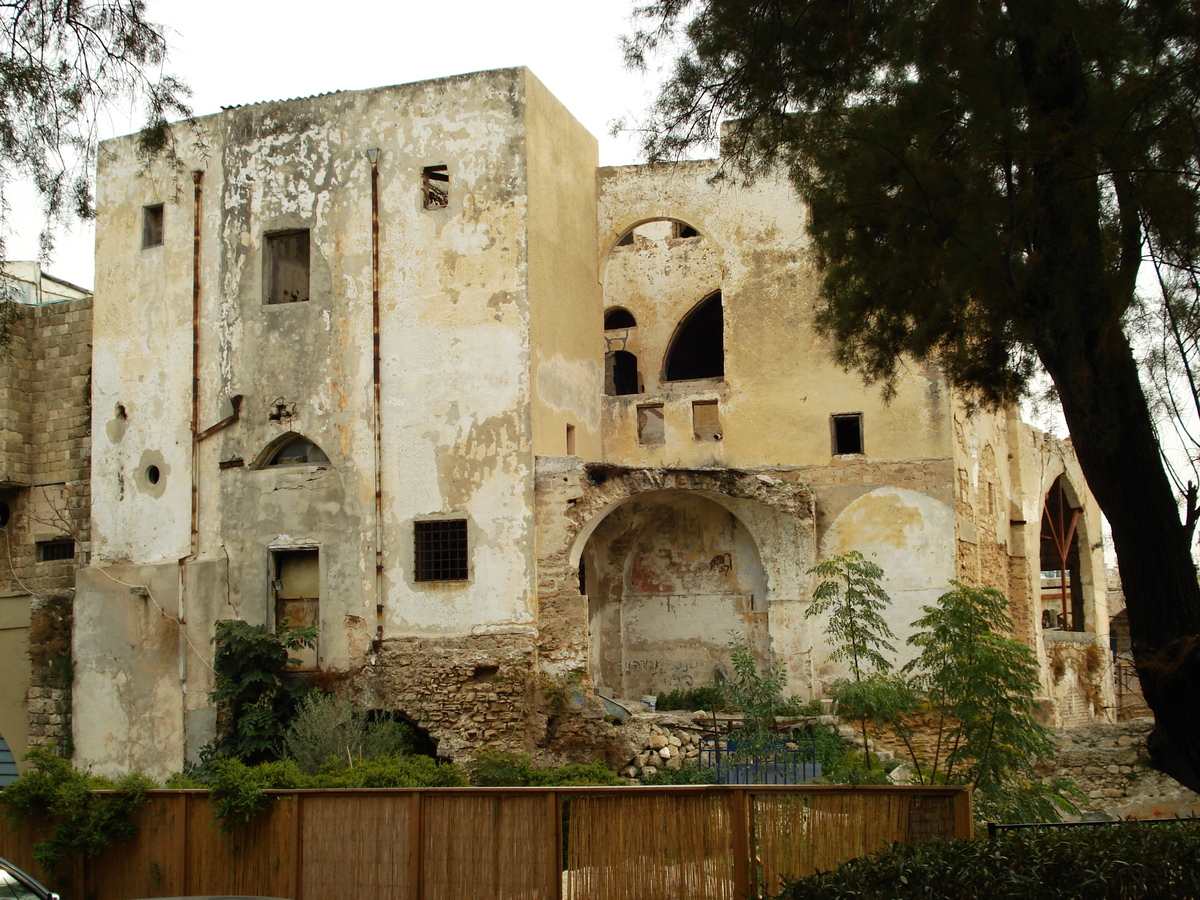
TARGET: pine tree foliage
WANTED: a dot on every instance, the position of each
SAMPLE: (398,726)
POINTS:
(984,180)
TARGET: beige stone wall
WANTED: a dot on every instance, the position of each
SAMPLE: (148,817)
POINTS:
(45,379)
(567,365)
(780,385)
(1110,765)
(1003,469)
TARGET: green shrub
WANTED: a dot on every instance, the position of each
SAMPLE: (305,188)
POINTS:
(692,699)
(389,771)
(238,793)
(495,768)
(1130,861)
(326,725)
(682,775)
(254,691)
(84,821)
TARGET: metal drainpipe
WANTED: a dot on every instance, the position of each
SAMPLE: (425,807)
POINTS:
(197,177)
(373,156)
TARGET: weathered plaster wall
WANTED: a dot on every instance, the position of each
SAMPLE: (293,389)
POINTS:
(564,290)
(780,384)
(455,377)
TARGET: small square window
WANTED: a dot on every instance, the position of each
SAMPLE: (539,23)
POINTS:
(51,551)
(706,420)
(287,267)
(152,225)
(440,550)
(435,187)
(847,433)
(650,424)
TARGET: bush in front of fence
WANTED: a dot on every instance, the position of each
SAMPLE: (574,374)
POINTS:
(1132,861)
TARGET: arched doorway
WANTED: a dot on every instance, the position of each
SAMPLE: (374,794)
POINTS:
(670,575)
(1062,591)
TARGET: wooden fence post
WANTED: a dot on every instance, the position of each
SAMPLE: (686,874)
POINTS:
(557,864)
(739,832)
(416,847)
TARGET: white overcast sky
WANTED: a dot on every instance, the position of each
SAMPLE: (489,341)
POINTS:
(245,51)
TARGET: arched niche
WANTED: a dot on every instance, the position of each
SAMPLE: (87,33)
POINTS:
(669,575)
(291,449)
(697,349)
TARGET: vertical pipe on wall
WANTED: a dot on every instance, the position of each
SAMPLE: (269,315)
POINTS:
(373,156)
(197,177)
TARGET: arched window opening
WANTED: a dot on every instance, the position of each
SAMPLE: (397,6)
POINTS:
(294,450)
(698,348)
(8,764)
(621,373)
(1061,585)
(619,318)
(656,230)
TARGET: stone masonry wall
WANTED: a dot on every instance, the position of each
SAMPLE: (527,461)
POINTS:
(57,394)
(466,692)
(1110,765)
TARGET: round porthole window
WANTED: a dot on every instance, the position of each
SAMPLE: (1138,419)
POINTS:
(152,474)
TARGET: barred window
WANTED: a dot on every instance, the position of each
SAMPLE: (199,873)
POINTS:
(52,551)
(440,550)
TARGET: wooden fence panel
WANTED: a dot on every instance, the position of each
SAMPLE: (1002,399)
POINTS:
(702,843)
(622,846)
(490,846)
(356,846)
(258,858)
(151,863)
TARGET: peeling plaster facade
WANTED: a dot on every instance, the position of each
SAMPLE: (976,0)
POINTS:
(614,537)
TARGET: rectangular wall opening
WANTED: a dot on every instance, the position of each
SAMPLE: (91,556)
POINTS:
(297,586)
(287,266)
(706,420)
(847,433)
(650,424)
(435,187)
(152,225)
(53,551)
(570,440)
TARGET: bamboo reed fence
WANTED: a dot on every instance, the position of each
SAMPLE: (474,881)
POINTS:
(566,843)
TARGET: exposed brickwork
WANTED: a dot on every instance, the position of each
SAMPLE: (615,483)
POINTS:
(47,382)
(466,692)
(45,465)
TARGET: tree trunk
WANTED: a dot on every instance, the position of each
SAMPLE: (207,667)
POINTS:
(1111,430)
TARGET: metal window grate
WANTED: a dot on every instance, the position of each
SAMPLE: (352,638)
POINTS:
(49,551)
(440,550)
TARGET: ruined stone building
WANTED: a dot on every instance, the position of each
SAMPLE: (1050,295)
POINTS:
(407,365)
(44,502)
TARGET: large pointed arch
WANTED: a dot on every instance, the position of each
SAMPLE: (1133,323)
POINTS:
(697,349)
